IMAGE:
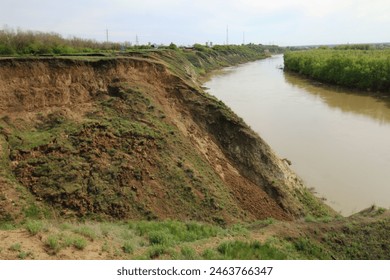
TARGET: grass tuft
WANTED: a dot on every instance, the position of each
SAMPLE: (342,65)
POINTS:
(16,247)
(53,243)
(34,227)
(80,243)
(128,248)
(86,232)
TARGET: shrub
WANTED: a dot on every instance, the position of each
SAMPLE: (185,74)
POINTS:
(160,237)
(22,255)
(33,227)
(53,243)
(6,50)
(128,248)
(32,212)
(79,243)
(172,46)
(362,69)
(32,43)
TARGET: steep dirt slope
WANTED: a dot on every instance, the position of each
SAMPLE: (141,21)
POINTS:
(127,138)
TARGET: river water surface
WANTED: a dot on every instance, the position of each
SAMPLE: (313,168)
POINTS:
(338,141)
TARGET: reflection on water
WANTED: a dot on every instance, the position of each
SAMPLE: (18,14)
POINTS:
(338,141)
(346,100)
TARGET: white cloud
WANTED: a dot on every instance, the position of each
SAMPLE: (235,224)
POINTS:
(189,21)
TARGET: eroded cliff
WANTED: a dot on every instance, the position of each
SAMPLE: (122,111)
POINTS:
(134,137)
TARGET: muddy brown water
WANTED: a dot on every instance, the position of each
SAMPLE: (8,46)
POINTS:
(337,140)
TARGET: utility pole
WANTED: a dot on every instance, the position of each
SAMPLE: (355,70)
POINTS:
(227,34)
(107,35)
(136,40)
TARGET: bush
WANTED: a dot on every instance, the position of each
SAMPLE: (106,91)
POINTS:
(160,237)
(172,46)
(6,50)
(35,43)
(362,69)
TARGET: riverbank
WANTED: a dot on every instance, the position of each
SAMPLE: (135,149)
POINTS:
(74,130)
(296,116)
(135,138)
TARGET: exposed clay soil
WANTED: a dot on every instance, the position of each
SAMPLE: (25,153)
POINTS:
(90,164)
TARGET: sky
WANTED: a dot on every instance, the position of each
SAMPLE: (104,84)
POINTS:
(184,22)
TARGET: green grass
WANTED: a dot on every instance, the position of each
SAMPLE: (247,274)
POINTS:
(161,252)
(362,69)
(34,226)
(310,249)
(31,139)
(243,250)
(210,254)
(128,247)
(80,243)
(324,219)
(188,253)
(33,211)
(57,241)
(53,243)
(172,232)
(346,239)
(312,204)
(86,231)
(15,247)
(106,247)
(160,238)
(7,225)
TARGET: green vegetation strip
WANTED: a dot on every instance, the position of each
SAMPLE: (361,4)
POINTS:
(354,68)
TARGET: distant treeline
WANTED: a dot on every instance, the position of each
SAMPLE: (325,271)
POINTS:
(21,42)
(353,47)
(345,66)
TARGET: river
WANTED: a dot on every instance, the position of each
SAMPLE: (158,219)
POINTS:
(337,140)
